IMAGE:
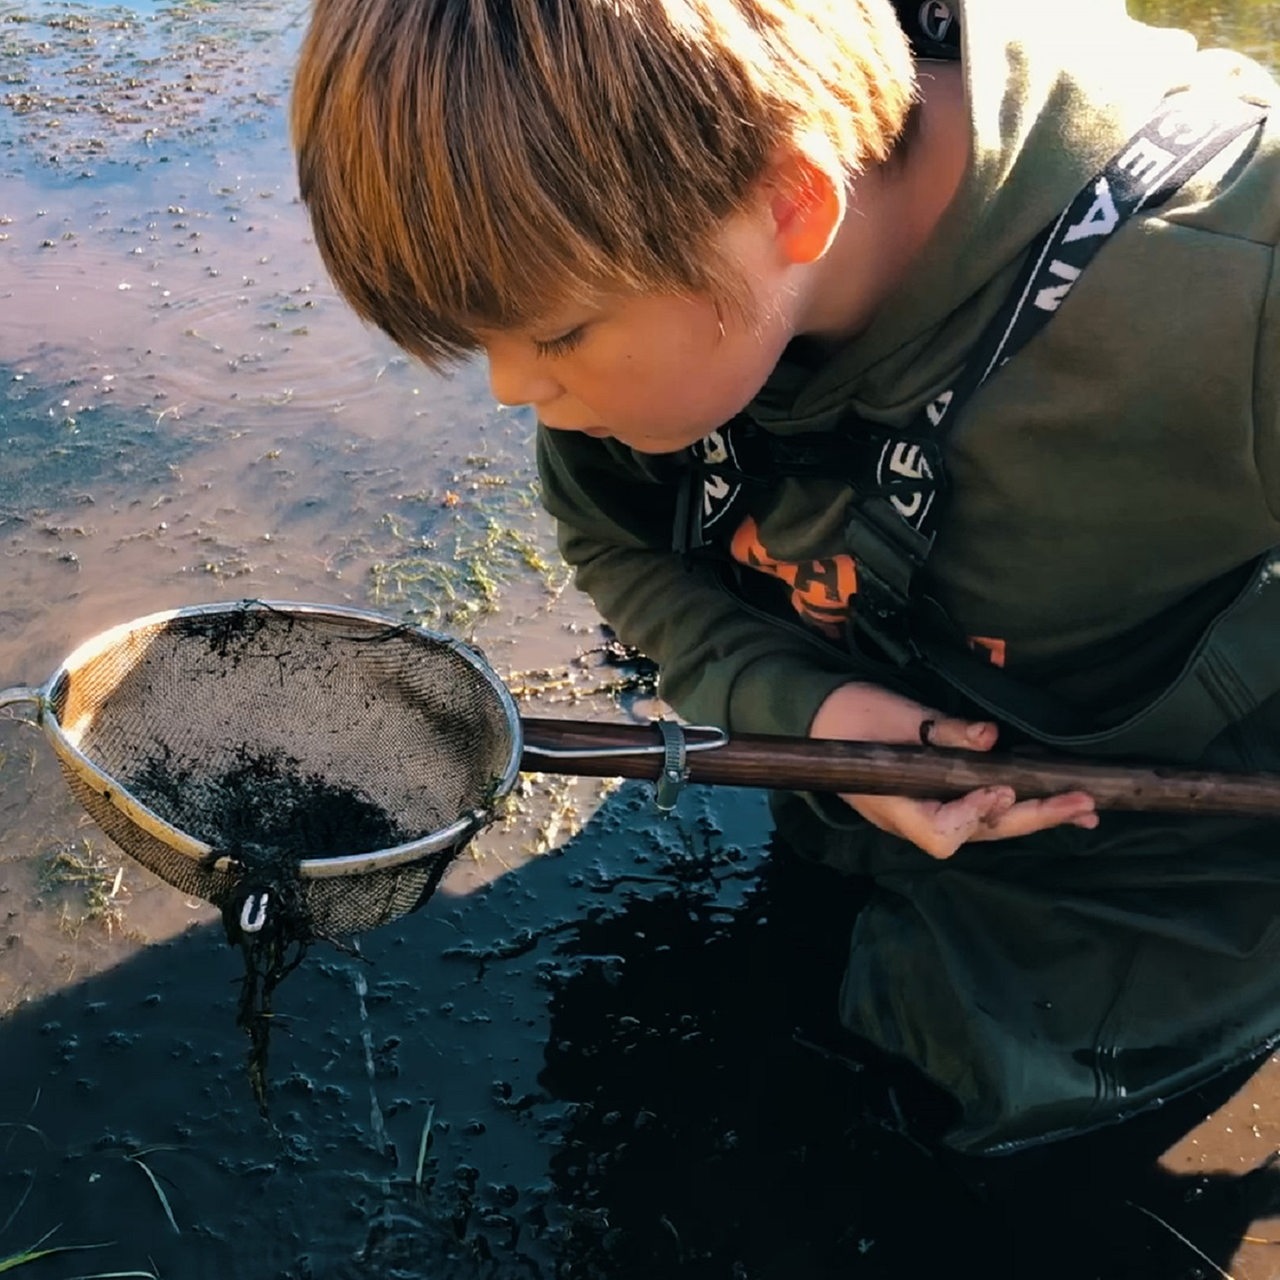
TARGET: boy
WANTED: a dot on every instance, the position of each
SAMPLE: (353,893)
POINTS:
(844,425)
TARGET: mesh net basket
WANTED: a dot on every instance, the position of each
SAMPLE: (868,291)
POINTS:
(362,753)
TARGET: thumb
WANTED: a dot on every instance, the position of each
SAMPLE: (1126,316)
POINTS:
(963,735)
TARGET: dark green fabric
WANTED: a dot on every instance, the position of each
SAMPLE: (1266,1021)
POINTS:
(1059,983)
(1066,980)
(1109,485)
(1071,978)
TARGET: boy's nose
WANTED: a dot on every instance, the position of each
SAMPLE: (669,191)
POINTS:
(514,381)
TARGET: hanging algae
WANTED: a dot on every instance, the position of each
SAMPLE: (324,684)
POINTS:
(265,815)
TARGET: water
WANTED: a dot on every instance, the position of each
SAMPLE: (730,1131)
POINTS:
(189,413)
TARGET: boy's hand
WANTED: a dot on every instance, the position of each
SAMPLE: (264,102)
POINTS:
(867,713)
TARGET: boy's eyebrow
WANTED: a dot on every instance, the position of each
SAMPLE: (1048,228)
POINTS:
(568,315)
(567,319)
(584,300)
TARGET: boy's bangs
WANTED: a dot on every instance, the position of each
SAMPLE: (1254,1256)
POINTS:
(474,247)
(472,164)
(452,276)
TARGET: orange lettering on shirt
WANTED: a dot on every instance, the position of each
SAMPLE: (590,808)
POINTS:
(820,589)
(995,648)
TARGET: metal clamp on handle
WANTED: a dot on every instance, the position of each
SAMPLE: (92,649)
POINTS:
(675,765)
(718,738)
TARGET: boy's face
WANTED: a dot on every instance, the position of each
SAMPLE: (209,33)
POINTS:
(657,372)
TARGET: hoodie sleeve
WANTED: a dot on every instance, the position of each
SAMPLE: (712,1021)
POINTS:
(720,664)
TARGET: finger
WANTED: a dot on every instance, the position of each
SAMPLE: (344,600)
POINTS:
(938,828)
(958,821)
(1072,808)
(966,735)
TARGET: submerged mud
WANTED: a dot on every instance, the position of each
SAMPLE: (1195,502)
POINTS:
(617,1062)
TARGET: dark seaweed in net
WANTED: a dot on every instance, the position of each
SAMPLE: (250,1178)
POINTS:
(264,810)
(265,815)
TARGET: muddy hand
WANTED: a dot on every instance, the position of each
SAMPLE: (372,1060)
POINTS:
(866,713)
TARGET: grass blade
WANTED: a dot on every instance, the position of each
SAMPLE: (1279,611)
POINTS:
(159,1190)
(17,1208)
(424,1145)
(35,1253)
(119,1275)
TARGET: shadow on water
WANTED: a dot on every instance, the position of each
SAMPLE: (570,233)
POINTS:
(616,1061)
(723,1130)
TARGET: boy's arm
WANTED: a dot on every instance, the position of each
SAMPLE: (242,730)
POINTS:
(718,664)
(721,664)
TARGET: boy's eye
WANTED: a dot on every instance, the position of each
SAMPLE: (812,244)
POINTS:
(562,345)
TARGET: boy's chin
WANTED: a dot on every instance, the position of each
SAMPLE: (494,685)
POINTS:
(673,443)
(666,442)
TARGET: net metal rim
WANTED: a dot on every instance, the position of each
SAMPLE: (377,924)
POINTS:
(308,868)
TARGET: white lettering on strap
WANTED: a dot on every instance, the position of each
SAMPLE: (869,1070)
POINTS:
(907,510)
(1147,162)
(1179,127)
(937,410)
(1050,298)
(714,490)
(1101,220)
(907,459)
(717,492)
(714,447)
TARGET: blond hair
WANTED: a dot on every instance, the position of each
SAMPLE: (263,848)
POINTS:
(472,164)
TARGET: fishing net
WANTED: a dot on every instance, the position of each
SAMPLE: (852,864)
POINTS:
(308,770)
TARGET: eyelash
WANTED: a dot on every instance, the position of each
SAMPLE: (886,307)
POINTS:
(562,345)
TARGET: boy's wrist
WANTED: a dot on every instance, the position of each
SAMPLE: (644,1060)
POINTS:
(781,695)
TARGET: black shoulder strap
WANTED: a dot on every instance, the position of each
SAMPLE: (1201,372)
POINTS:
(891,530)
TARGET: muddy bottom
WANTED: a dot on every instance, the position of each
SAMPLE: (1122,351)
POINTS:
(615,1061)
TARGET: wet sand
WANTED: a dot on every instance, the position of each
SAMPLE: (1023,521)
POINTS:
(604,1048)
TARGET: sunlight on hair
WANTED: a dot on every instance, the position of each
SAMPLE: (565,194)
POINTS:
(472,164)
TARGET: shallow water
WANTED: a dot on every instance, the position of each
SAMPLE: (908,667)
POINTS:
(599,1051)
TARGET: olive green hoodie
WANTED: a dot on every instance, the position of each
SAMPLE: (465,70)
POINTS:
(1111,487)
(1102,482)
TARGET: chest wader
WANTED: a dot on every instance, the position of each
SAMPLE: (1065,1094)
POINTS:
(1068,979)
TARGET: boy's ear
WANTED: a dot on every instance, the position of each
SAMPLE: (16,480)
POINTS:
(807,203)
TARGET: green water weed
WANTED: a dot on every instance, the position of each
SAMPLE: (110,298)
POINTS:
(88,884)
(36,1251)
(448,559)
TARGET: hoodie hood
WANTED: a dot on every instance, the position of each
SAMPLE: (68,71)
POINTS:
(1052,94)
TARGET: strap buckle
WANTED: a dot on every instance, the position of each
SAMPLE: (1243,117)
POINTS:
(675,766)
(888,554)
